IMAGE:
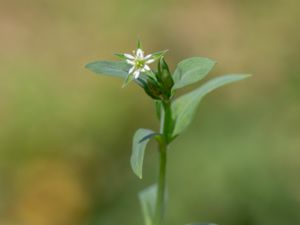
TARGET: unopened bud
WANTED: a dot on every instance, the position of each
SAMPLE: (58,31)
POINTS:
(164,77)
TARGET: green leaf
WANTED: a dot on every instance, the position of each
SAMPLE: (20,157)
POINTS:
(111,68)
(139,45)
(127,80)
(191,70)
(159,54)
(120,56)
(138,151)
(148,201)
(149,136)
(185,106)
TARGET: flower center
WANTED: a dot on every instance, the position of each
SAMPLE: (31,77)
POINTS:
(140,63)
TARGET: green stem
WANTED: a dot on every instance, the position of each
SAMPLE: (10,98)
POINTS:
(166,126)
(161,185)
(166,121)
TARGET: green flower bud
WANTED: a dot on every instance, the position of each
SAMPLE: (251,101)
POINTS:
(151,87)
(164,77)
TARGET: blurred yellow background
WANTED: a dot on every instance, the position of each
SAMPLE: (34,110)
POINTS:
(65,133)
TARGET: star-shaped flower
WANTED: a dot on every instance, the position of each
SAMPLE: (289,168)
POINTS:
(139,62)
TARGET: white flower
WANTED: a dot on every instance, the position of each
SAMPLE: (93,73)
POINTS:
(139,62)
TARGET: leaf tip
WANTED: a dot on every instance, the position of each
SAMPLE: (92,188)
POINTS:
(164,52)
(120,55)
(135,170)
(138,173)
(139,44)
(86,66)
(244,76)
(127,80)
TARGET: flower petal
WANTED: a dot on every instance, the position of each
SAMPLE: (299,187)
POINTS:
(139,53)
(146,67)
(143,70)
(150,61)
(131,70)
(136,74)
(148,56)
(128,56)
(130,62)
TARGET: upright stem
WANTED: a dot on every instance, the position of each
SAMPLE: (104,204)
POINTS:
(161,184)
(166,126)
(167,121)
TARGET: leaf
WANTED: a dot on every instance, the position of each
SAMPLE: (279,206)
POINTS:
(127,80)
(185,106)
(159,54)
(120,56)
(139,44)
(149,136)
(138,150)
(191,70)
(111,68)
(148,201)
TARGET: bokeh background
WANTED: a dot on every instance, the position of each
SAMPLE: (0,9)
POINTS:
(65,133)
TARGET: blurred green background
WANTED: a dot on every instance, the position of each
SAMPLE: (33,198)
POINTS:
(65,134)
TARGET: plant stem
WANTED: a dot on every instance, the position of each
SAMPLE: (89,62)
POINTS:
(161,184)
(167,121)
(166,126)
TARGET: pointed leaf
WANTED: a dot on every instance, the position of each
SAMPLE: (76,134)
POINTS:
(191,70)
(127,80)
(148,201)
(111,68)
(139,44)
(138,151)
(185,106)
(120,56)
(157,55)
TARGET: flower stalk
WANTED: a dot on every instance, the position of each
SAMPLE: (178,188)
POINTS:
(166,125)
(161,190)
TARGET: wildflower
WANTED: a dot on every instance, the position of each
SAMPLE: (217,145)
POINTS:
(139,62)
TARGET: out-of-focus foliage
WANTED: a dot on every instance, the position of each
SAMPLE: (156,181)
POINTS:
(185,107)
(65,135)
